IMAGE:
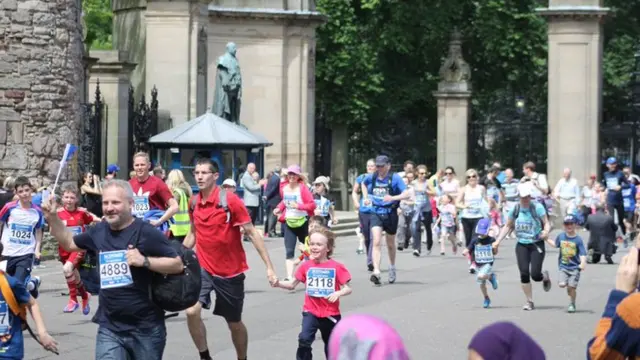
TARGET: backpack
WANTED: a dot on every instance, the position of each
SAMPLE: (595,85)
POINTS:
(175,292)
(222,203)
(19,310)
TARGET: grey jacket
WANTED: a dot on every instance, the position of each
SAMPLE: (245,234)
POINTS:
(252,189)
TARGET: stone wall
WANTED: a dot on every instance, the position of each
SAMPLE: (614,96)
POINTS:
(41,76)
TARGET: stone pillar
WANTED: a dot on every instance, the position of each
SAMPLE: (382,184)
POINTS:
(575,86)
(41,72)
(454,92)
(276,44)
(173,29)
(112,71)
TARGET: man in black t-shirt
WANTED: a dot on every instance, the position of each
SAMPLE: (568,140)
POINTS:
(129,324)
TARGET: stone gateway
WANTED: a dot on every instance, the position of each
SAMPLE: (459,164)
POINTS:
(41,77)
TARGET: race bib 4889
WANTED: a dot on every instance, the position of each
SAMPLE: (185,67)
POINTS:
(114,269)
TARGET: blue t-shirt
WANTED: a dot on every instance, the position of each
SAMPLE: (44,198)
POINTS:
(510,190)
(570,250)
(528,227)
(629,198)
(364,209)
(323,204)
(128,307)
(12,345)
(385,186)
(610,180)
(481,250)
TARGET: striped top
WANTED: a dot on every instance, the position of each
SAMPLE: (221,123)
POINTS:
(618,331)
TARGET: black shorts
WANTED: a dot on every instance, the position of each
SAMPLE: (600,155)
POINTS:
(388,222)
(229,295)
(20,267)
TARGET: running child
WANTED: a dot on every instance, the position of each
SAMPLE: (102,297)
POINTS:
(22,225)
(495,216)
(447,221)
(315,222)
(482,253)
(14,296)
(572,259)
(326,281)
(325,206)
(75,219)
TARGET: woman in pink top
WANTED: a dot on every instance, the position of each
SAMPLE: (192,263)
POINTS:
(450,184)
(296,207)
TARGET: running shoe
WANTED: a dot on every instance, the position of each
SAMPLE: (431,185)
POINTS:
(392,274)
(71,307)
(416,253)
(546,281)
(487,303)
(472,268)
(442,253)
(360,251)
(370,267)
(528,306)
(375,279)
(571,309)
(428,252)
(86,304)
(494,281)
(36,286)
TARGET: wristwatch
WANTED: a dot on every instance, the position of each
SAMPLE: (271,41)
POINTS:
(146,262)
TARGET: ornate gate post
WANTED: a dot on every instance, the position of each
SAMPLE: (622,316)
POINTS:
(454,92)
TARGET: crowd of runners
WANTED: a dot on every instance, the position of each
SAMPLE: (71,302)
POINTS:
(145,223)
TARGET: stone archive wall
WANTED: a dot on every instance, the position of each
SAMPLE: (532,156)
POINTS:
(41,75)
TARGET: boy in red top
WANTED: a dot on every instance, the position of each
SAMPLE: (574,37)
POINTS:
(150,192)
(326,281)
(75,219)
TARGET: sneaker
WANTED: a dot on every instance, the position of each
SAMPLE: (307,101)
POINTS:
(442,253)
(370,267)
(400,248)
(71,307)
(528,306)
(472,268)
(428,252)
(494,281)
(360,251)
(487,303)
(546,281)
(36,286)
(392,274)
(86,305)
(416,253)
(375,279)
(571,309)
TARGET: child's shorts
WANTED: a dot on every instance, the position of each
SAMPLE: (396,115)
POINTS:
(569,277)
(483,270)
(449,230)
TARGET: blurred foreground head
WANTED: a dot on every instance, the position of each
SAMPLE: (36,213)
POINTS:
(365,337)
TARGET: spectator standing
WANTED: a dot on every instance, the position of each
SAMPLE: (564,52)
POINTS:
(251,196)
(272,198)
(602,235)
(567,192)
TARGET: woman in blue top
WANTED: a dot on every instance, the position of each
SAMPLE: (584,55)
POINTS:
(531,225)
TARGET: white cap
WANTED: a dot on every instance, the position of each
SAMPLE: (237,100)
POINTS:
(524,189)
(229,182)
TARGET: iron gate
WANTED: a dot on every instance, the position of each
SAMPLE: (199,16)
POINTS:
(508,133)
(90,136)
(143,123)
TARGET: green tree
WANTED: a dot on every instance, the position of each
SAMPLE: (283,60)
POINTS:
(98,20)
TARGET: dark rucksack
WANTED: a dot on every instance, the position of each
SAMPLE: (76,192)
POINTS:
(176,292)
(222,203)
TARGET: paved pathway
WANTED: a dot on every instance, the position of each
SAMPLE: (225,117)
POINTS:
(435,305)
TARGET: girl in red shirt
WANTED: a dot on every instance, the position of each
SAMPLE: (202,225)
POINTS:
(75,219)
(326,281)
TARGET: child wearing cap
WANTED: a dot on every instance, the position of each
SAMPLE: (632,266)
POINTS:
(572,259)
(325,205)
(481,250)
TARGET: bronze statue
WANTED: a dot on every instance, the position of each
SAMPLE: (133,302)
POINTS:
(228,93)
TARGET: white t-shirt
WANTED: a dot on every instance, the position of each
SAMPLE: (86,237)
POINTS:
(19,230)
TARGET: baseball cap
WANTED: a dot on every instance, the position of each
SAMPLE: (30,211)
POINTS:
(112,168)
(570,219)
(524,189)
(483,227)
(382,160)
(294,169)
(612,160)
(322,180)
(229,182)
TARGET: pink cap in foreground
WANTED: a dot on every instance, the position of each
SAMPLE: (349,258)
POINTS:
(365,337)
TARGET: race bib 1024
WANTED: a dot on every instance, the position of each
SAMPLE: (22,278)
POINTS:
(321,282)
(21,234)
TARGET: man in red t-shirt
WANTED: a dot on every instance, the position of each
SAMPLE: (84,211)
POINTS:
(75,220)
(215,233)
(150,192)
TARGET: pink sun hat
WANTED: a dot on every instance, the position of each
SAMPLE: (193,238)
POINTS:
(365,337)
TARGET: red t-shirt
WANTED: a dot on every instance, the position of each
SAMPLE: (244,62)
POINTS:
(75,221)
(152,194)
(321,280)
(218,242)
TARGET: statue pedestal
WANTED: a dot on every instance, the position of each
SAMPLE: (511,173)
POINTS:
(453,118)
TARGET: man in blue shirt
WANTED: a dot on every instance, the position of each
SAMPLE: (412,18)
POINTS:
(629,203)
(384,191)
(364,211)
(614,181)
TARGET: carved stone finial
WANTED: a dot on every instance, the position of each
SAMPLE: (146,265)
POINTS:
(455,69)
